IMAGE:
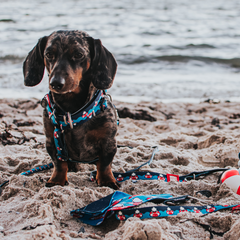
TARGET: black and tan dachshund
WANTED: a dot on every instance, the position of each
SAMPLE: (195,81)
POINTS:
(78,66)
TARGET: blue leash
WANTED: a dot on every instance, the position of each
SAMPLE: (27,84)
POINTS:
(134,175)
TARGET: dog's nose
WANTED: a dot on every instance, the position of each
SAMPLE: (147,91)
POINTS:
(57,82)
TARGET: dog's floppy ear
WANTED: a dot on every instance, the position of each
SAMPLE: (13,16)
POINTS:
(103,65)
(33,66)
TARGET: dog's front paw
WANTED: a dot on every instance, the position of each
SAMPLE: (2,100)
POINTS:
(107,180)
(50,183)
(114,185)
(59,177)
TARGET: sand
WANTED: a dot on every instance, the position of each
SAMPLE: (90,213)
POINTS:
(190,137)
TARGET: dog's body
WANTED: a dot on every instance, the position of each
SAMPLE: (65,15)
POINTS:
(78,66)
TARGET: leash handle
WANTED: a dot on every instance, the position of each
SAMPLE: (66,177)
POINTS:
(194,175)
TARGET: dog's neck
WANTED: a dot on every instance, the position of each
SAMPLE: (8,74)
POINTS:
(72,102)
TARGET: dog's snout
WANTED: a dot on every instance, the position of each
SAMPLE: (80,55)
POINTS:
(57,83)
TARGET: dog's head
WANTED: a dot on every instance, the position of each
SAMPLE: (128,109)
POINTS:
(69,57)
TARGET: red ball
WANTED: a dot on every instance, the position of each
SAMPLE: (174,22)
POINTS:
(232,179)
(229,173)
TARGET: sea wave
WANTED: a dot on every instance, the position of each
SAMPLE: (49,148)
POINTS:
(12,58)
(133,59)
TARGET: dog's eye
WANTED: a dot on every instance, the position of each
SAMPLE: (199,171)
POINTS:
(77,56)
(50,55)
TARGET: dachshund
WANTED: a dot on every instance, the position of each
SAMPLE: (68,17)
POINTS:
(78,67)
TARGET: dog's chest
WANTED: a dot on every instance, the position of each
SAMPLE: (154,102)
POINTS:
(84,142)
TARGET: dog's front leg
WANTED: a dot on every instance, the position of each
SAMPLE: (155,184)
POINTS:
(59,175)
(104,175)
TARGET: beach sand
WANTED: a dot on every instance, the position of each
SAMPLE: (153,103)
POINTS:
(190,137)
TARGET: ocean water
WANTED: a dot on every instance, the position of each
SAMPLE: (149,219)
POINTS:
(167,50)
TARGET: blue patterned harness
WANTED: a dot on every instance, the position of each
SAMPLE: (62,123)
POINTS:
(64,120)
(125,206)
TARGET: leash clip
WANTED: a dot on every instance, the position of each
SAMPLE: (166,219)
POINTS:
(70,120)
